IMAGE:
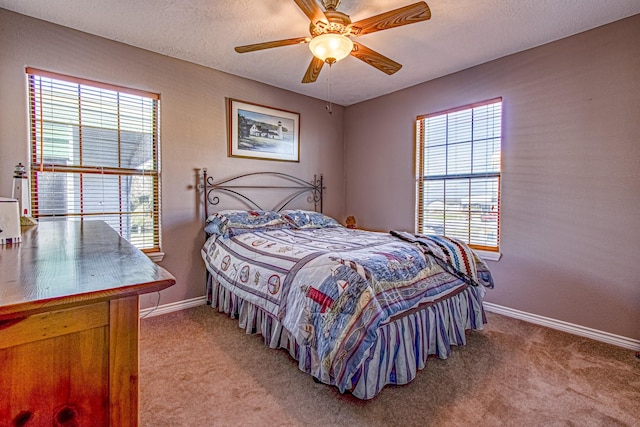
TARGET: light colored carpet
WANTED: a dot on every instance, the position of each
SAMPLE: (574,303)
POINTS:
(197,368)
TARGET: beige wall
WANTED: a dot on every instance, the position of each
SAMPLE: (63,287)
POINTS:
(193,126)
(571,172)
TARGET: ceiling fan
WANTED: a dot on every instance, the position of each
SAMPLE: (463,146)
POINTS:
(331,33)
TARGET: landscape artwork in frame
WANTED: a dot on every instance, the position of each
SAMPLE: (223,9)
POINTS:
(262,132)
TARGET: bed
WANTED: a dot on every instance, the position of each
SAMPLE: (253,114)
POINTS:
(356,309)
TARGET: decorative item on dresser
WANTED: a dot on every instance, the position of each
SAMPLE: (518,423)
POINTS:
(9,221)
(69,325)
(356,309)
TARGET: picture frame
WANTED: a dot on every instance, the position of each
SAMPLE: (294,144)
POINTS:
(261,132)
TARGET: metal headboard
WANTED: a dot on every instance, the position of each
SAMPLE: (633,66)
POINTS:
(235,187)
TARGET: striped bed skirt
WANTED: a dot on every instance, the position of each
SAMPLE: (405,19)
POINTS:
(401,349)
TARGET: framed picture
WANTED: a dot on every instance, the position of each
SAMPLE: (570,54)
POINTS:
(260,132)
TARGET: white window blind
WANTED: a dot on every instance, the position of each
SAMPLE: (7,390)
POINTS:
(458,173)
(95,155)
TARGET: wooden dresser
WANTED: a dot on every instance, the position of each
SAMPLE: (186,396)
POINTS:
(69,325)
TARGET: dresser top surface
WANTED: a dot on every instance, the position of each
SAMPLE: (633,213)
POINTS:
(67,262)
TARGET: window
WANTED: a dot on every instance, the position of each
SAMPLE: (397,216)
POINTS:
(95,155)
(458,174)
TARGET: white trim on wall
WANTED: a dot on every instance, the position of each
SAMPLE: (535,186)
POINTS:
(172,306)
(548,322)
(560,325)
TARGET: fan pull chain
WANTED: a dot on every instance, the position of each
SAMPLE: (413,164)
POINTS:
(329,106)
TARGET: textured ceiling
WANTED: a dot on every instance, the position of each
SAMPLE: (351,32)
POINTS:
(459,35)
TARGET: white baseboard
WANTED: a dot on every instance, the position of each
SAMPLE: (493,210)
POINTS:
(560,325)
(172,306)
(571,328)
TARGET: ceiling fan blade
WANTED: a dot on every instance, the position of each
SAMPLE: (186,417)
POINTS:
(394,18)
(375,59)
(313,71)
(312,10)
(269,45)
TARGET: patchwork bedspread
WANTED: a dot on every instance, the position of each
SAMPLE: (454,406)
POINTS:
(333,287)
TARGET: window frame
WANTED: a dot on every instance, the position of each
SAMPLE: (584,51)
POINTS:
(40,165)
(488,251)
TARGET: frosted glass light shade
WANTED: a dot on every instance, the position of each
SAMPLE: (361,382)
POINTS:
(331,47)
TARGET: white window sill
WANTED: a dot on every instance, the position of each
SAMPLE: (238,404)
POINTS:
(156,256)
(488,255)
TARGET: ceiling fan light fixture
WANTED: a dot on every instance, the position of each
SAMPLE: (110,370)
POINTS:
(331,47)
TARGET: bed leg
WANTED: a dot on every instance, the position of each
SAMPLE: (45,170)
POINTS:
(208,288)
